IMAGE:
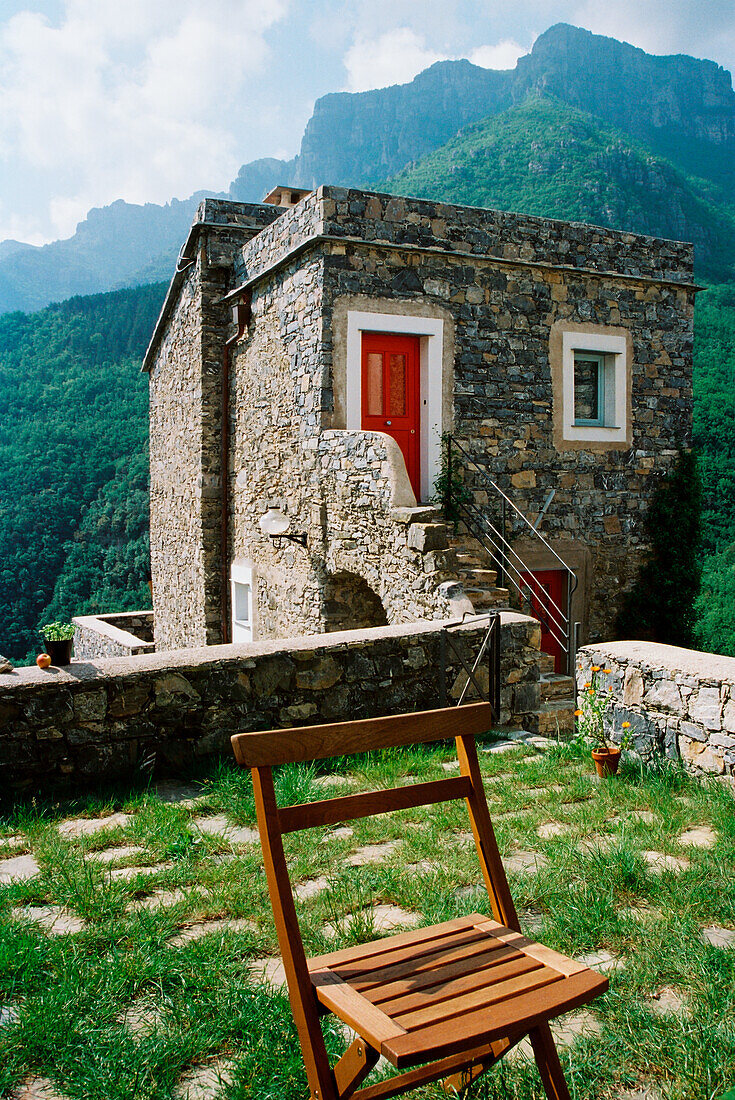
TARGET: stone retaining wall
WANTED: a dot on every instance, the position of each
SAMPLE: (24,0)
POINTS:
(108,718)
(124,634)
(679,703)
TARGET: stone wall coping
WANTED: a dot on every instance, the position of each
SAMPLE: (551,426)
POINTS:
(654,655)
(99,625)
(109,668)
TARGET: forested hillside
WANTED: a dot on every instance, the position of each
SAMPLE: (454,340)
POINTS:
(73,461)
(544,157)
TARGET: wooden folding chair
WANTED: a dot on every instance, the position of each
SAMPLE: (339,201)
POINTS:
(450,999)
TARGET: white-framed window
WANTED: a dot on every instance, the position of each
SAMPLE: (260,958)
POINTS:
(595,395)
(241,580)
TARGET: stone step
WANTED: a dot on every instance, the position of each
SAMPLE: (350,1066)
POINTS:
(479,578)
(556,686)
(484,598)
(546,664)
(552,718)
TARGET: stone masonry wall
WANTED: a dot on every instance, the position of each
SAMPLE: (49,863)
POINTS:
(121,635)
(502,389)
(106,719)
(679,703)
(185,364)
(347,491)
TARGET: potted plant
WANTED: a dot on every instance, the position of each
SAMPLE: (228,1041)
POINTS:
(591,721)
(58,639)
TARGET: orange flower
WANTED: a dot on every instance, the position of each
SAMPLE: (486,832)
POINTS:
(626,725)
(595,668)
(607,671)
(578,714)
(588,684)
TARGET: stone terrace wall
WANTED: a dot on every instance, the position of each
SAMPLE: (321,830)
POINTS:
(124,634)
(679,703)
(107,718)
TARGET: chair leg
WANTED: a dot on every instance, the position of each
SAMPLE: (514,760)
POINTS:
(549,1066)
(353,1067)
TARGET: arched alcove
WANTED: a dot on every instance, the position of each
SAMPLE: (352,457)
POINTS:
(349,603)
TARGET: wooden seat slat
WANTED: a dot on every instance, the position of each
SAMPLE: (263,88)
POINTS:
(544,954)
(434,932)
(349,807)
(369,1020)
(518,1014)
(486,995)
(423,977)
(291,746)
(366,980)
(467,983)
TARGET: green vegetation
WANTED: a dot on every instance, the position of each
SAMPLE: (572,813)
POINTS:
(57,632)
(73,461)
(122,1007)
(546,158)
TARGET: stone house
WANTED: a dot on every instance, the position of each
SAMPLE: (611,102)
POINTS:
(310,354)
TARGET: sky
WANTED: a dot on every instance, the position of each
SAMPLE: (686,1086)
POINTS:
(147,100)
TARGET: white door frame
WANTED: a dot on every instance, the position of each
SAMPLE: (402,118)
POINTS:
(431,342)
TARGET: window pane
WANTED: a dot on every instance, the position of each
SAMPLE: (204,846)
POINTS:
(396,385)
(242,603)
(586,389)
(374,383)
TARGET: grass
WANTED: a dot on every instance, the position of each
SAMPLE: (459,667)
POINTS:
(73,995)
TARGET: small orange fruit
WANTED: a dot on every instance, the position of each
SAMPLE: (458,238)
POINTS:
(43,660)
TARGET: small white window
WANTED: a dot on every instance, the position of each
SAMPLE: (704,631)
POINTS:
(595,395)
(242,603)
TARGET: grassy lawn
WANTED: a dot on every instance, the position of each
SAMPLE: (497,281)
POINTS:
(150,983)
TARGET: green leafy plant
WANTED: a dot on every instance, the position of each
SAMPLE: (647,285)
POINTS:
(594,706)
(58,632)
(450,490)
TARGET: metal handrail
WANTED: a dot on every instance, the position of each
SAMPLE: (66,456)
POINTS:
(510,565)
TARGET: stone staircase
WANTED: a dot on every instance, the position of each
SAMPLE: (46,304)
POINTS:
(474,569)
(555,715)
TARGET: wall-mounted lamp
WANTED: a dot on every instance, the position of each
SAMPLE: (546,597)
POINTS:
(276,526)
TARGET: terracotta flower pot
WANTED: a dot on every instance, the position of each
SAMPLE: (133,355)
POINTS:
(606,761)
(59,652)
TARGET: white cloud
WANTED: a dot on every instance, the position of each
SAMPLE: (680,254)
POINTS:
(393,58)
(131,100)
(502,56)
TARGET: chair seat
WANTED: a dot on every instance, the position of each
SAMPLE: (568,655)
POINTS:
(449,988)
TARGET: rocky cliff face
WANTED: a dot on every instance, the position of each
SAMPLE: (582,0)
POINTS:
(357,138)
(683,107)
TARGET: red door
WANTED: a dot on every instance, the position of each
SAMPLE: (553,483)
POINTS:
(547,589)
(390,394)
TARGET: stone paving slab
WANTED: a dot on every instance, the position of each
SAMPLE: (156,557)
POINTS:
(699,836)
(191,932)
(718,936)
(126,873)
(17,841)
(524,861)
(54,920)
(162,899)
(18,869)
(219,825)
(603,961)
(372,853)
(205,1082)
(342,832)
(88,826)
(574,1025)
(269,969)
(9,1015)
(37,1088)
(666,1001)
(142,1017)
(553,828)
(658,862)
(310,888)
(115,855)
(182,794)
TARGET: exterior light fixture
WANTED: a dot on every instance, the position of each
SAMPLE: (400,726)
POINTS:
(276,526)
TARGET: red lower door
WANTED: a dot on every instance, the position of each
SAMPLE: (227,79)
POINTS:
(390,394)
(548,587)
